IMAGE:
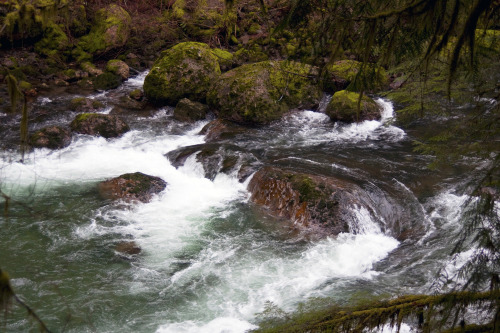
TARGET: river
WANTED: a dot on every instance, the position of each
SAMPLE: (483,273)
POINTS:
(211,260)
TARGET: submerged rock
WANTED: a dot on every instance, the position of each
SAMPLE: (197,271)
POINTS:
(184,71)
(53,137)
(314,204)
(105,125)
(344,107)
(132,186)
(262,92)
(128,248)
(189,111)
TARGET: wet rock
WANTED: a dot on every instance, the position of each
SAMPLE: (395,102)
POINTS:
(52,137)
(189,111)
(106,81)
(128,248)
(314,204)
(220,129)
(96,124)
(186,70)
(136,94)
(262,92)
(344,107)
(344,73)
(119,68)
(132,187)
(82,104)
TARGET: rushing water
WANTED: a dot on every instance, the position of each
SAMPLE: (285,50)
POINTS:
(211,260)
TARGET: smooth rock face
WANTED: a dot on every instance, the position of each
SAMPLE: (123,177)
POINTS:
(189,111)
(108,126)
(186,70)
(52,137)
(314,204)
(132,186)
(344,107)
(262,92)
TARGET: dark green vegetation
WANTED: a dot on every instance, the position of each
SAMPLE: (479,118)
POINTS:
(440,54)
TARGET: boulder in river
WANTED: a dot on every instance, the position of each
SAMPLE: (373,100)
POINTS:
(262,92)
(189,111)
(129,248)
(105,125)
(219,129)
(118,67)
(132,187)
(53,137)
(344,107)
(184,71)
(315,204)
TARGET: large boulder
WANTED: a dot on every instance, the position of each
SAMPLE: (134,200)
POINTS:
(108,126)
(110,30)
(184,71)
(132,187)
(262,92)
(53,137)
(310,203)
(346,73)
(344,107)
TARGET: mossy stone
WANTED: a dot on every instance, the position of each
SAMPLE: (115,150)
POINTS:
(118,67)
(97,124)
(190,111)
(82,104)
(262,92)
(52,137)
(106,81)
(110,30)
(54,41)
(226,59)
(186,70)
(344,107)
(346,74)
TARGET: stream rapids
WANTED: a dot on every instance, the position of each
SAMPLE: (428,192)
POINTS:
(210,260)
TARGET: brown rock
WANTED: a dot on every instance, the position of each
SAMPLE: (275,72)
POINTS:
(52,137)
(189,111)
(105,125)
(314,204)
(128,248)
(132,187)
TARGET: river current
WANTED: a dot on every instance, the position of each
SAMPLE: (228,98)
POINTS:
(211,261)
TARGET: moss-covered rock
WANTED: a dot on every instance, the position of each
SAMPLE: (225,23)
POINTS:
(82,104)
(106,81)
(344,74)
(54,41)
(90,68)
(97,124)
(132,187)
(110,30)
(262,92)
(344,107)
(190,111)
(226,59)
(52,137)
(184,71)
(118,67)
(136,94)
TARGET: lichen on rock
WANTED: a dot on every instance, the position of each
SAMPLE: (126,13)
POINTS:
(344,107)
(184,71)
(262,92)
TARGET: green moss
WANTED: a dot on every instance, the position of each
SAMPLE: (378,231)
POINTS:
(24,85)
(136,94)
(225,58)
(344,107)
(54,41)
(178,9)
(368,77)
(186,70)
(106,81)
(254,28)
(306,188)
(262,92)
(111,29)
